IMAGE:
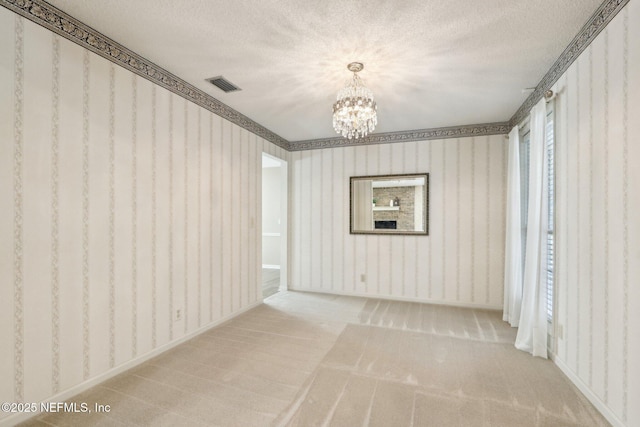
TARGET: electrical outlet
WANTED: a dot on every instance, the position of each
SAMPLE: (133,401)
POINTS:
(177,315)
(363,278)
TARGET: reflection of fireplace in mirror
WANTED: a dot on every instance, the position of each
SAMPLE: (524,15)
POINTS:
(386,225)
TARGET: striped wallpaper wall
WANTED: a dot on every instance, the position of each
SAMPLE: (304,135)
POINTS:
(597,199)
(460,262)
(122,203)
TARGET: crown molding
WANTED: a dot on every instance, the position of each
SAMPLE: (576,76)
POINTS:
(598,21)
(53,19)
(404,136)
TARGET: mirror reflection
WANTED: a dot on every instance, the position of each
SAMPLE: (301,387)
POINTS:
(390,204)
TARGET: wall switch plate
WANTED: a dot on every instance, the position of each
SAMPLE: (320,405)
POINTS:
(560,332)
(363,277)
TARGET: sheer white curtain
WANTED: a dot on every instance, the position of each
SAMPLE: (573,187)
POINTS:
(532,328)
(513,243)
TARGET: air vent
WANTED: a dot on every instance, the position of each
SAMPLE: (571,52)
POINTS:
(223,84)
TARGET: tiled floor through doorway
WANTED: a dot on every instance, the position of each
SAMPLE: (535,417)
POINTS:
(270,281)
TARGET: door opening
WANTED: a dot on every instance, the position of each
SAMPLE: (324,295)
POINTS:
(274,225)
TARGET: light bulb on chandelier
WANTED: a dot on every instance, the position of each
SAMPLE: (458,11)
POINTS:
(355,111)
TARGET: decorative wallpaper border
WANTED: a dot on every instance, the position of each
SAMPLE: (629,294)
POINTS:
(50,17)
(18,205)
(598,21)
(404,136)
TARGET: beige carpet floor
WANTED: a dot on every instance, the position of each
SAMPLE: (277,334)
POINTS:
(306,359)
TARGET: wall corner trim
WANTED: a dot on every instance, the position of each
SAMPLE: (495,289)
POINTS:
(587,392)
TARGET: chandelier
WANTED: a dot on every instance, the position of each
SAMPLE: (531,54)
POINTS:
(354,113)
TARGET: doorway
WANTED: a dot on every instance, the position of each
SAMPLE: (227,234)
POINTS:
(274,225)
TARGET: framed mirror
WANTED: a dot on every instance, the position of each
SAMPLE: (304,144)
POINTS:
(389,204)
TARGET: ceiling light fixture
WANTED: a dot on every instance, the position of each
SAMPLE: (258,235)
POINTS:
(354,113)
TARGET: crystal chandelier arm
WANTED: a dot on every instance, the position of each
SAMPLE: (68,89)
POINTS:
(355,111)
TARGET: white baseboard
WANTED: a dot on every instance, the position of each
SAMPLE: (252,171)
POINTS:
(79,388)
(404,299)
(589,394)
(277,267)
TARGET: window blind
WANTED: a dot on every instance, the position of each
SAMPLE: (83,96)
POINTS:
(524,188)
(549,140)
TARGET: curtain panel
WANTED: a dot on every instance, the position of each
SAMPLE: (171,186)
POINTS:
(532,328)
(513,243)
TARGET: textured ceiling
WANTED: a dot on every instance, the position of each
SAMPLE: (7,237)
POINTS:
(429,63)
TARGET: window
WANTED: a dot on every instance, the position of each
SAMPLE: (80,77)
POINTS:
(524,188)
(524,199)
(550,178)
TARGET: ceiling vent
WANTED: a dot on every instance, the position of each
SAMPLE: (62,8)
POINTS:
(223,84)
